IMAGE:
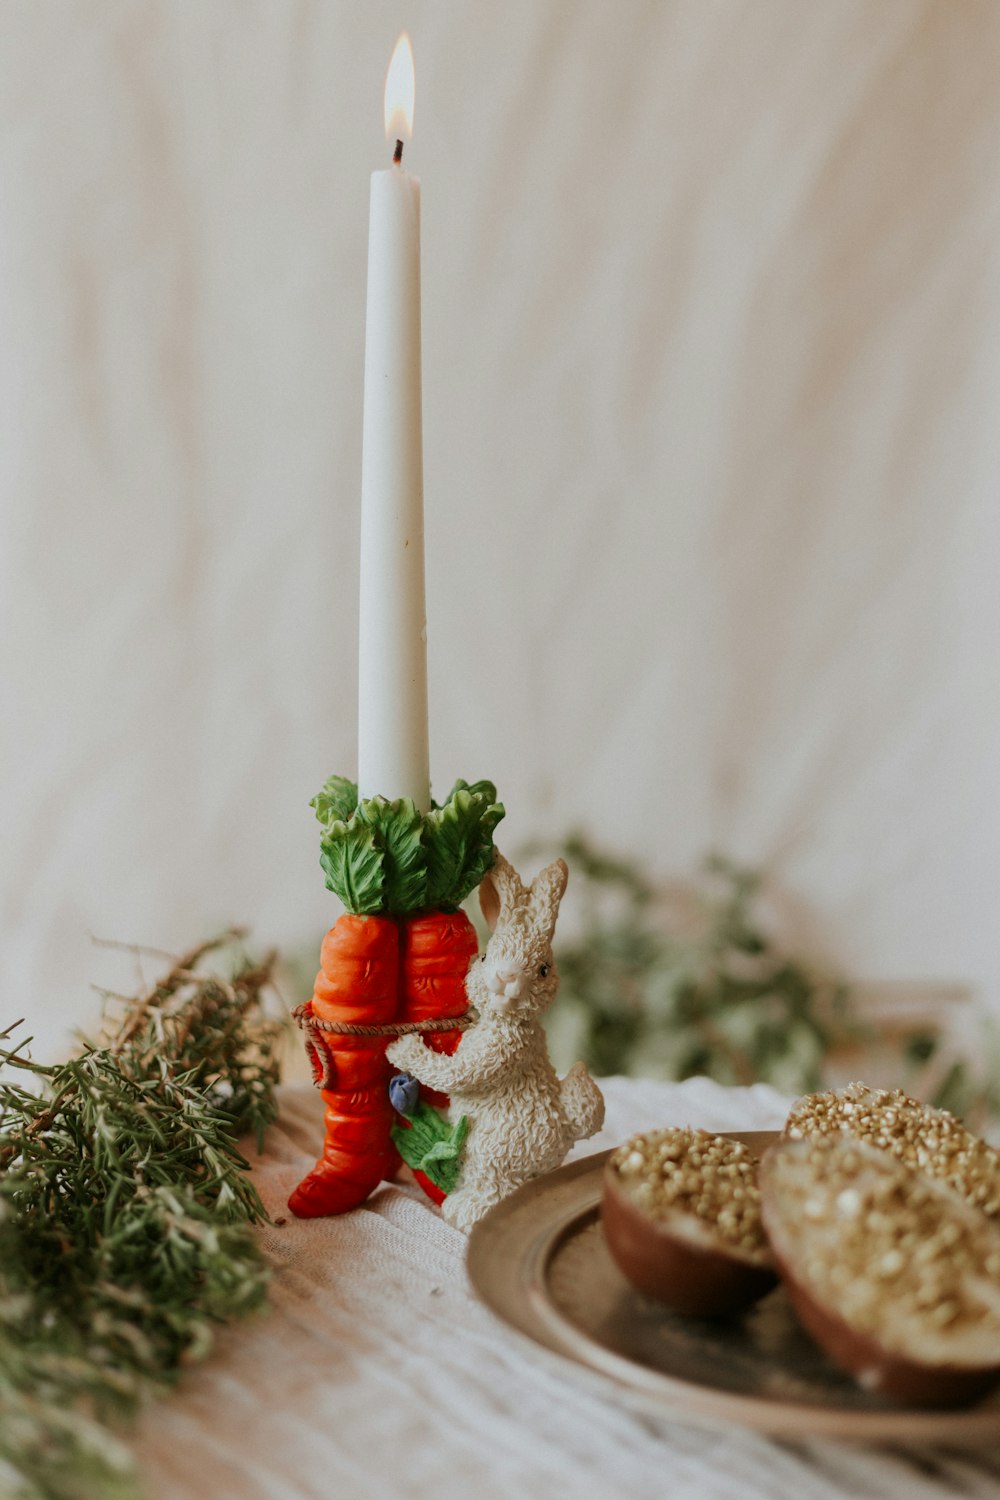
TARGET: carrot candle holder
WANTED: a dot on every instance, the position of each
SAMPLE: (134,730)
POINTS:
(394,963)
(424,1052)
(396,971)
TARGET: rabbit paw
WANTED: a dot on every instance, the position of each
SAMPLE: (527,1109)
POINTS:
(465,1207)
(406,1053)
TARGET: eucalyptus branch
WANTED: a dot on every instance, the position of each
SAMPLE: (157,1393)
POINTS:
(656,986)
(712,993)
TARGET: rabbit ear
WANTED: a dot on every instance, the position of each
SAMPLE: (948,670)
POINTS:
(547,890)
(499,889)
(489,900)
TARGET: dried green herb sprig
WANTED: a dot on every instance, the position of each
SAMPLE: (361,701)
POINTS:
(126,1217)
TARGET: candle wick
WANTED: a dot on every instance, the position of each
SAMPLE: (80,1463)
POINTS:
(397,155)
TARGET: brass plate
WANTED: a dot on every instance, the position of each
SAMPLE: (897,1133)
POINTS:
(539,1261)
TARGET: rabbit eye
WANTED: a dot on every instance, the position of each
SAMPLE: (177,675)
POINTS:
(543,971)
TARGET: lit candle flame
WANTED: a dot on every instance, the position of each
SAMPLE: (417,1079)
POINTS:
(399,92)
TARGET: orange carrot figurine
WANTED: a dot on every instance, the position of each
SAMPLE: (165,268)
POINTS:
(437,950)
(398,957)
(357,984)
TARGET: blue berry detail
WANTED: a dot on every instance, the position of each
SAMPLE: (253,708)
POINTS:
(404,1094)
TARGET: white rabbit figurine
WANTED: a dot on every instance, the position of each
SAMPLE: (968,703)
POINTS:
(522,1118)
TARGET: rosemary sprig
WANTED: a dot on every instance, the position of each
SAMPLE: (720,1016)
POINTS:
(126,1217)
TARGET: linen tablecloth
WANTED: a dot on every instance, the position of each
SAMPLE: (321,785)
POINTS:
(376,1372)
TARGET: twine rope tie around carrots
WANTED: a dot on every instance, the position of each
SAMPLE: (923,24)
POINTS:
(304,1018)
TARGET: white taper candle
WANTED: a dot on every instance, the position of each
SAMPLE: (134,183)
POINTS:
(393,758)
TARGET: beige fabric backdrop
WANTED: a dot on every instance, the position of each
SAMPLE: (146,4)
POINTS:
(712,357)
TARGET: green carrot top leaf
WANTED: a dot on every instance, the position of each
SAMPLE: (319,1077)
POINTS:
(399,829)
(352,858)
(335,801)
(385,856)
(460,842)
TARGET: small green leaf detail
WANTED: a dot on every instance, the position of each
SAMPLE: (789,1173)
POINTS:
(335,802)
(398,829)
(353,864)
(459,840)
(432,1146)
